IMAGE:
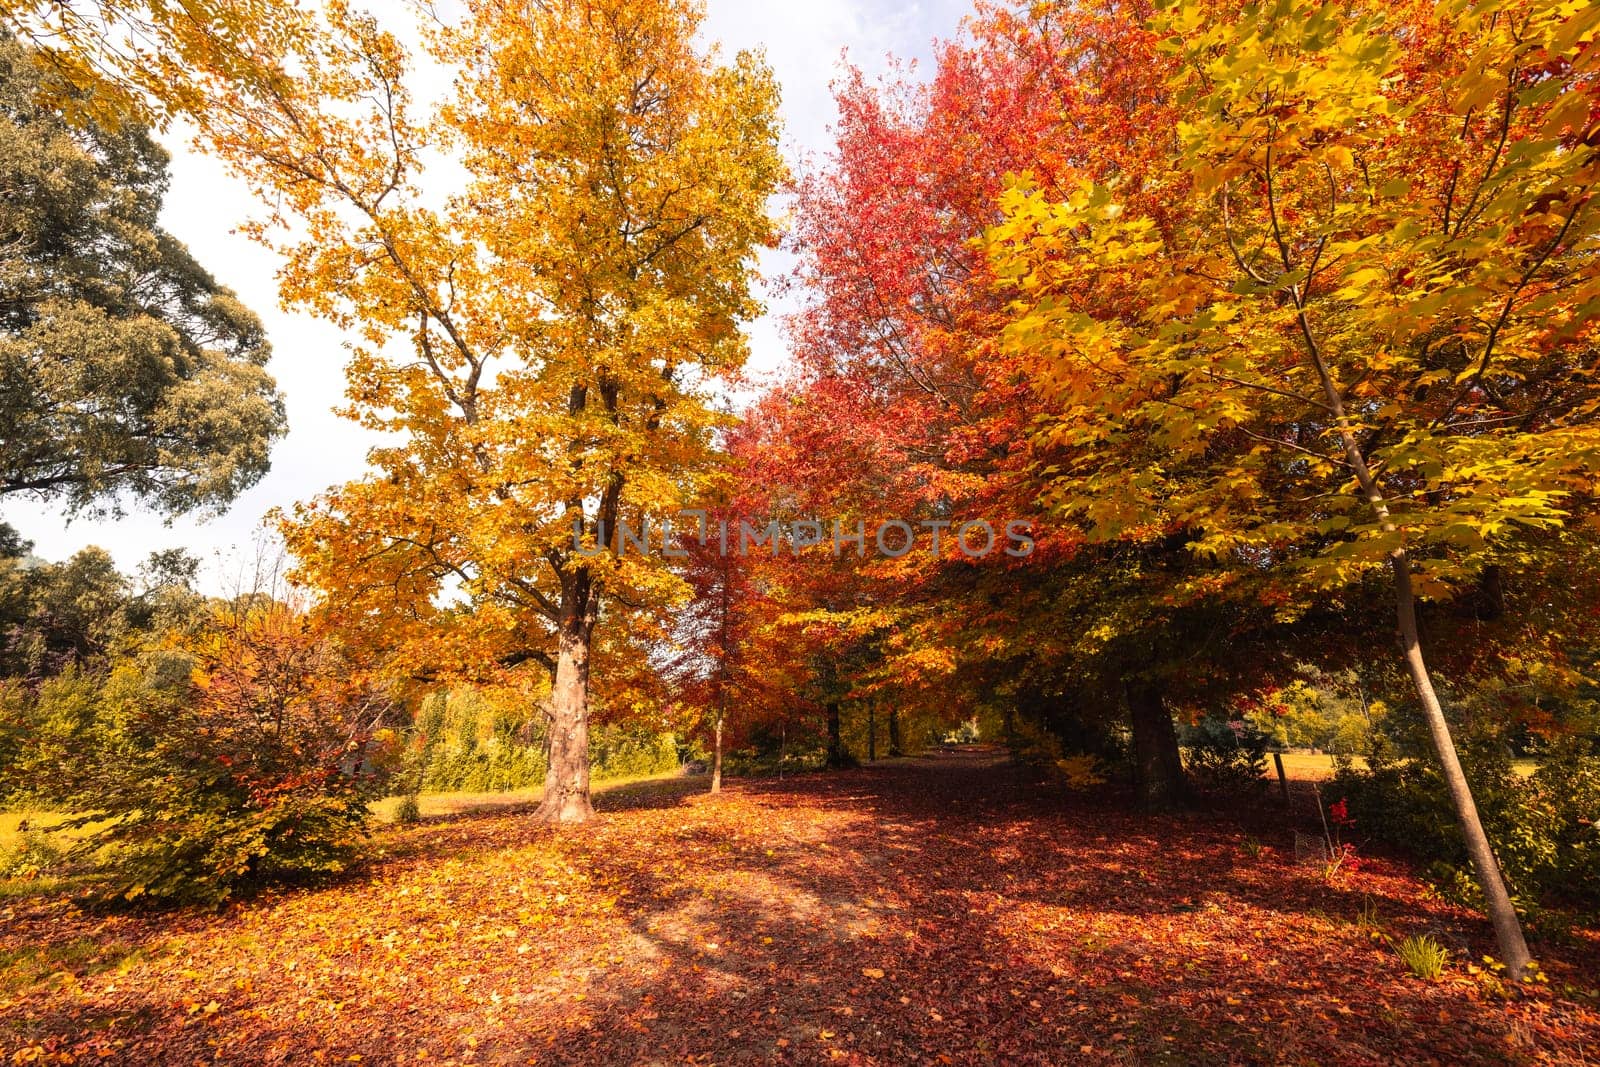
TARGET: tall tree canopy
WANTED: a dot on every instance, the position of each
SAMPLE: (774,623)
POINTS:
(542,343)
(904,402)
(124,366)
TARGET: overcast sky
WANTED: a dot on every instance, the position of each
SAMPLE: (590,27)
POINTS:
(804,43)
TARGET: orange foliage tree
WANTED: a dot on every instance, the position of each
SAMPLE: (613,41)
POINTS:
(152,60)
(542,343)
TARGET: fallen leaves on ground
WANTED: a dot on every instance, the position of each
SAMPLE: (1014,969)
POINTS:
(943,910)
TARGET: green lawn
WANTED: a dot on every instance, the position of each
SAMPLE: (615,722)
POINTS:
(12,823)
(1306,767)
(440,804)
(431,804)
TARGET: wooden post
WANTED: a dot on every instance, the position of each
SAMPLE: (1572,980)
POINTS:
(1283,779)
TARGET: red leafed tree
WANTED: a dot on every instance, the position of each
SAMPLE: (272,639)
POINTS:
(904,404)
(726,673)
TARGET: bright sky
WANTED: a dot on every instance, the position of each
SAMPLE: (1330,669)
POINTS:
(804,43)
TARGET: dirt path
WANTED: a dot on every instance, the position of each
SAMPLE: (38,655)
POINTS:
(943,910)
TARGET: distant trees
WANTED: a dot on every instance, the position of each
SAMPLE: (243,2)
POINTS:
(59,615)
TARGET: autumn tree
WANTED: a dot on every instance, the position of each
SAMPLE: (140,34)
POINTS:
(727,666)
(109,61)
(126,370)
(541,344)
(906,404)
(1360,335)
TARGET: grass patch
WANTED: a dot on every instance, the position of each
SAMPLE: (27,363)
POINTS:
(35,854)
(434,805)
(15,825)
(47,885)
(1423,956)
(67,962)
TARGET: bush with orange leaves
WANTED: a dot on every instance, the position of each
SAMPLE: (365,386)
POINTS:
(240,751)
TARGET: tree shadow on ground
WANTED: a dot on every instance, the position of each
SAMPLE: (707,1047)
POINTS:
(959,912)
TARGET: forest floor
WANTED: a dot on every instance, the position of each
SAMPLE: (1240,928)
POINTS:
(938,910)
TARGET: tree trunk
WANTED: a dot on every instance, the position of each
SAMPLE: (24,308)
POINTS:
(1158,767)
(894,732)
(566,779)
(836,754)
(716,756)
(1502,914)
(872,733)
(1491,593)
(1507,928)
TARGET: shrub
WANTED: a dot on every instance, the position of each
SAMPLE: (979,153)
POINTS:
(1567,787)
(1033,744)
(1226,758)
(235,757)
(209,851)
(1080,772)
(1543,828)
(408,811)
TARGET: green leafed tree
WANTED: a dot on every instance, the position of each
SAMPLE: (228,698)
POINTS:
(126,370)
